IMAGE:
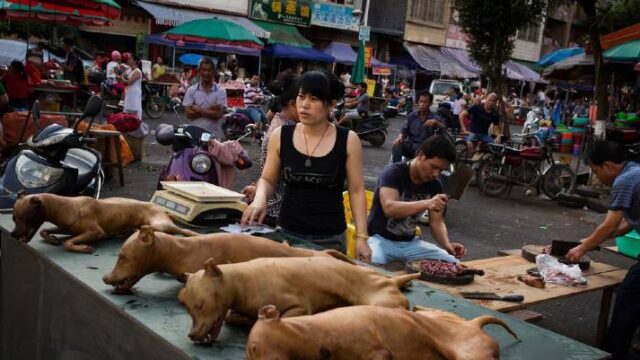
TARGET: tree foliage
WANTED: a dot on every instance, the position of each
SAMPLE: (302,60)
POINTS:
(492,26)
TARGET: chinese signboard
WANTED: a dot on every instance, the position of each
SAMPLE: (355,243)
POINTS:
(365,33)
(368,54)
(297,12)
(382,71)
(334,16)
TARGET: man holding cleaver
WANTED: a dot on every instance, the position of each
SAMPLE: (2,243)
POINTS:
(405,190)
(607,160)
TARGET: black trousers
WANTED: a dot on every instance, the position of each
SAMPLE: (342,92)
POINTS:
(403,149)
(626,315)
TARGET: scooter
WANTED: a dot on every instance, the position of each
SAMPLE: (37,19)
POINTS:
(152,103)
(236,120)
(371,128)
(191,160)
(55,160)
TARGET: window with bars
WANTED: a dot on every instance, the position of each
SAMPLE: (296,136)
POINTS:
(529,33)
(430,11)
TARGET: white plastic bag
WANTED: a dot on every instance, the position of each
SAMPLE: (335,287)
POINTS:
(555,272)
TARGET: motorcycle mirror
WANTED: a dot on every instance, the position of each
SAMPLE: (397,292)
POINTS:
(35,113)
(93,107)
(175,102)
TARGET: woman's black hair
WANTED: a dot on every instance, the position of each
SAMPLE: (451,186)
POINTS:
(285,86)
(323,85)
(18,67)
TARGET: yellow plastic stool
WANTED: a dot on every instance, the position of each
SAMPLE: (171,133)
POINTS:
(351,227)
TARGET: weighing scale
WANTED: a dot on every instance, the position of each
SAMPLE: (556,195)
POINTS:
(198,201)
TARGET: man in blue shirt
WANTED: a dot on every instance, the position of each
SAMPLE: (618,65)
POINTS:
(481,117)
(356,109)
(420,125)
(607,161)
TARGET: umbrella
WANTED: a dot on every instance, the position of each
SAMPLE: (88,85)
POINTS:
(559,55)
(59,11)
(214,31)
(579,67)
(629,51)
(190,59)
(357,75)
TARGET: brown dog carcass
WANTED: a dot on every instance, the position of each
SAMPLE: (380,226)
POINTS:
(148,251)
(86,219)
(372,332)
(299,286)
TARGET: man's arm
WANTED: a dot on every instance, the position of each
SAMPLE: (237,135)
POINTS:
(463,115)
(395,209)
(608,229)
(215,112)
(438,230)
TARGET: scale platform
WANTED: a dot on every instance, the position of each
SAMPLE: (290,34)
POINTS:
(194,201)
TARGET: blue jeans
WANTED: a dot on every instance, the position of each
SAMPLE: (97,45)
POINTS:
(485,138)
(256,114)
(336,242)
(384,250)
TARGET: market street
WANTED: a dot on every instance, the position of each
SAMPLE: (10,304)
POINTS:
(483,224)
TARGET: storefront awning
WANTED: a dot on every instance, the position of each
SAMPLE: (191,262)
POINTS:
(525,72)
(284,34)
(158,39)
(292,52)
(431,59)
(343,53)
(173,16)
(461,57)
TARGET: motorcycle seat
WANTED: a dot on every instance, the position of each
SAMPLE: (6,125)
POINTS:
(85,161)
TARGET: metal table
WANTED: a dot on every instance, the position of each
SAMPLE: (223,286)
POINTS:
(55,305)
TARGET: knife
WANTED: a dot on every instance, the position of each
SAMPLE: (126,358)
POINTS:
(459,181)
(492,296)
(560,247)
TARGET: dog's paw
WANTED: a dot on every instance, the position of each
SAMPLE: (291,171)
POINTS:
(82,249)
(50,238)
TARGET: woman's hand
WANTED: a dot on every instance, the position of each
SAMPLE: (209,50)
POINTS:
(254,213)
(249,192)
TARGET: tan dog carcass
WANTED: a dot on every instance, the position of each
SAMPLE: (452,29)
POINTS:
(86,219)
(300,286)
(148,251)
(372,332)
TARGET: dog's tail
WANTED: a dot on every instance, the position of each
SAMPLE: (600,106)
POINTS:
(403,280)
(182,222)
(340,256)
(481,321)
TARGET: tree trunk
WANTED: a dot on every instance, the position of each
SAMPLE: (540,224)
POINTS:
(601,97)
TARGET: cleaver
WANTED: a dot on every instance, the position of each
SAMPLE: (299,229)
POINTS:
(492,296)
(560,247)
(459,181)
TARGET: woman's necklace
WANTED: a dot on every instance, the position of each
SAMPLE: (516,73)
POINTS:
(307,163)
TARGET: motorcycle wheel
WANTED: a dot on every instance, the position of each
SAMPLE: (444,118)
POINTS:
(462,152)
(490,186)
(559,178)
(376,139)
(154,108)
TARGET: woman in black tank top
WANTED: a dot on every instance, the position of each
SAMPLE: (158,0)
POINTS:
(314,158)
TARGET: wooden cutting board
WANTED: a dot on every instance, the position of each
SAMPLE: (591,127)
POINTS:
(530,252)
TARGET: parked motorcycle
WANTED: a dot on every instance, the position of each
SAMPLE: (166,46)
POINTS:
(371,128)
(191,160)
(532,166)
(153,104)
(236,120)
(55,160)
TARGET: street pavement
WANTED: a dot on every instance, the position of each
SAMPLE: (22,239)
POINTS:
(483,224)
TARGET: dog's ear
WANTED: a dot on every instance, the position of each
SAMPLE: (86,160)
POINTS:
(21,194)
(211,268)
(146,235)
(269,312)
(35,200)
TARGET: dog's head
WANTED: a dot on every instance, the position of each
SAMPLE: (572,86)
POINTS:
(135,260)
(28,216)
(207,300)
(263,339)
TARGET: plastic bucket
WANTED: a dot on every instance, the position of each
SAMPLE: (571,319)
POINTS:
(629,244)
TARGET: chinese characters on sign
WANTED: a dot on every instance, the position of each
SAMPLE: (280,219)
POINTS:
(297,12)
(368,54)
(382,71)
(334,16)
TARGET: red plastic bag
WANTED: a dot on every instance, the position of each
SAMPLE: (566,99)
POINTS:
(124,122)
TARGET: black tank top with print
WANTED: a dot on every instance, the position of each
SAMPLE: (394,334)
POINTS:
(312,203)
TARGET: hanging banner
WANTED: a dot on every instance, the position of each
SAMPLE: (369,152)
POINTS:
(368,54)
(333,16)
(296,12)
(382,71)
(371,86)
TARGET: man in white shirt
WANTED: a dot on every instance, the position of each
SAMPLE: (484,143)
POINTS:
(205,102)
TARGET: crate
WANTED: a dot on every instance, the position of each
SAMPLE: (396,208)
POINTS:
(629,244)
(136,145)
